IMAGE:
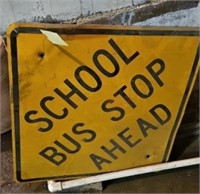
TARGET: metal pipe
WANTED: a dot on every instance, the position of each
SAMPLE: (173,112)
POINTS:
(59,186)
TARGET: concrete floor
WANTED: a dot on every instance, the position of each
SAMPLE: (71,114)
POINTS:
(184,180)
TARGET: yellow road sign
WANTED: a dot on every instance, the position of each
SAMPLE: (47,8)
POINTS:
(112,99)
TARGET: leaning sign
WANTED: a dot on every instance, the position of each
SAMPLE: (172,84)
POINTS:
(112,99)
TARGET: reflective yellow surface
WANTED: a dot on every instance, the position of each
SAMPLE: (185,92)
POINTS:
(92,108)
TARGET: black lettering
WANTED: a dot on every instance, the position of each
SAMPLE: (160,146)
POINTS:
(156,115)
(126,138)
(154,73)
(90,132)
(74,90)
(137,90)
(72,141)
(124,96)
(49,112)
(121,53)
(116,146)
(111,109)
(101,68)
(51,154)
(98,160)
(36,120)
(92,74)
(144,126)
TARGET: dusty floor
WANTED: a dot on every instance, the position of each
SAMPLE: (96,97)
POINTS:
(175,181)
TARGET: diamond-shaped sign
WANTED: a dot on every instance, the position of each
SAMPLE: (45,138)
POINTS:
(112,99)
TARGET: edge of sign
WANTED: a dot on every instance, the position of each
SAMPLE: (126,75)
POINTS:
(186,96)
(17,25)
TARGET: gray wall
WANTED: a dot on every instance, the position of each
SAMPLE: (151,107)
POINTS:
(54,10)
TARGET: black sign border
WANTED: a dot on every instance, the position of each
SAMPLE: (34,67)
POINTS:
(87,31)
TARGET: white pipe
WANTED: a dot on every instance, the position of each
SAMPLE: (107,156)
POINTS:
(55,186)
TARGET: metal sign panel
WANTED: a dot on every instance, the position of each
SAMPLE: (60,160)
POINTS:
(112,99)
